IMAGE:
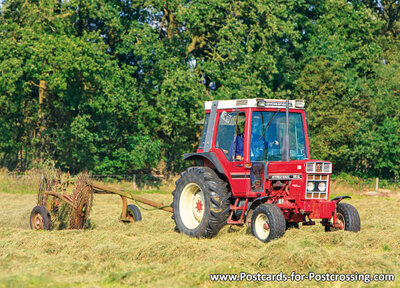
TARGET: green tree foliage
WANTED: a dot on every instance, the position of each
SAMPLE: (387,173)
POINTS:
(118,86)
(334,73)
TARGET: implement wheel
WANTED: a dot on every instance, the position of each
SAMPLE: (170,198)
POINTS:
(201,203)
(40,218)
(82,200)
(133,214)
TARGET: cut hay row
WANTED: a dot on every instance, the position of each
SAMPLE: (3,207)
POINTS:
(150,254)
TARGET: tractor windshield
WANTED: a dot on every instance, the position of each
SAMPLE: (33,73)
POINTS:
(267,133)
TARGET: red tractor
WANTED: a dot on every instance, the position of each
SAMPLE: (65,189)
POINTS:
(254,168)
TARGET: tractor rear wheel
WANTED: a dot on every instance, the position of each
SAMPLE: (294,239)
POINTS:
(268,222)
(348,218)
(40,218)
(201,203)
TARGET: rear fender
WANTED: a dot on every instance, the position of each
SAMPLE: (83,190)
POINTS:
(210,156)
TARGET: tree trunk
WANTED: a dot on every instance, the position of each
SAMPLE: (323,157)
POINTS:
(41,122)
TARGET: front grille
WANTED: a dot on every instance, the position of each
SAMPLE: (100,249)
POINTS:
(315,193)
(318,167)
(327,168)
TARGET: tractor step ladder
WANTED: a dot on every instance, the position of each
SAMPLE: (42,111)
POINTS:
(234,208)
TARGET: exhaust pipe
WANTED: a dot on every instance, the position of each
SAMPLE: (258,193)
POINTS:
(286,140)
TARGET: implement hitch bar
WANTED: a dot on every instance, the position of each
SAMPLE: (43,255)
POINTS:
(100,189)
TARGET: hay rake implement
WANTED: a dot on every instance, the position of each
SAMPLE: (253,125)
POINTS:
(66,202)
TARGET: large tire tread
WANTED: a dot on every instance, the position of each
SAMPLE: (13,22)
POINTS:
(217,193)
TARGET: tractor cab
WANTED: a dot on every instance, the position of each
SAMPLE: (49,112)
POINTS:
(250,141)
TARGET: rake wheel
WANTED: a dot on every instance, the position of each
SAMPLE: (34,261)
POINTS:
(82,200)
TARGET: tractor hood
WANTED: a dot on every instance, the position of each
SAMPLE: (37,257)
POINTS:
(295,168)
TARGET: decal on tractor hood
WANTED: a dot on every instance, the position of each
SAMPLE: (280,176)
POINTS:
(285,177)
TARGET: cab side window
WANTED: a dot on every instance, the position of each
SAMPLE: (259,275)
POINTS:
(230,135)
(204,134)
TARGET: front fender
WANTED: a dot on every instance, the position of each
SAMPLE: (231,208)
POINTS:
(340,198)
(257,202)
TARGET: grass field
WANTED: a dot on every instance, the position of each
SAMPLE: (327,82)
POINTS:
(151,254)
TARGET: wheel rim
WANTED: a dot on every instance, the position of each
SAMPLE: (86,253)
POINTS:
(340,220)
(191,205)
(37,221)
(261,226)
(129,216)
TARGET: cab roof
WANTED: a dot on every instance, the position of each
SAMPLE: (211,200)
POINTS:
(256,103)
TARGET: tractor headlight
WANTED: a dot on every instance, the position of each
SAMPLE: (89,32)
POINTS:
(310,186)
(322,186)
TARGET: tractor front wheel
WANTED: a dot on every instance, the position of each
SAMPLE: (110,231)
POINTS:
(40,218)
(347,217)
(201,203)
(268,222)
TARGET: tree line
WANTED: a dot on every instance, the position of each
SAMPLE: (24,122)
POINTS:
(118,86)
